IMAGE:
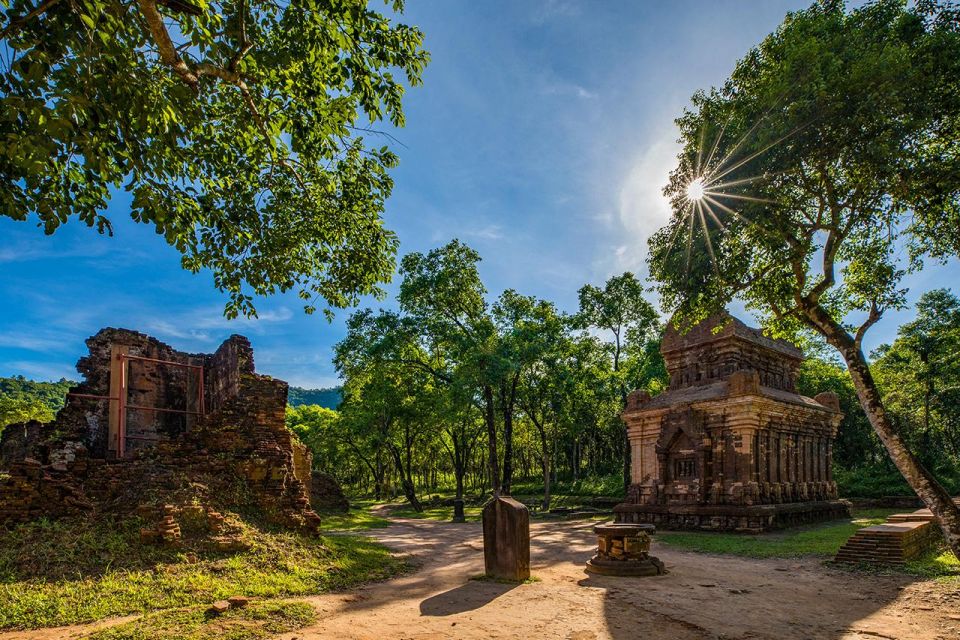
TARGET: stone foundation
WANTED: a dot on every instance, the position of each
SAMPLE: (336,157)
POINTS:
(746,519)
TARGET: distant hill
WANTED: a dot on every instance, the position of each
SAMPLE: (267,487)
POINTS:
(329,398)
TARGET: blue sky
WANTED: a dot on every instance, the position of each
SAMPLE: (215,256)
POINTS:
(541,137)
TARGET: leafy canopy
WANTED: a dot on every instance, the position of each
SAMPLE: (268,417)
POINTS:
(22,400)
(233,125)
(920,376)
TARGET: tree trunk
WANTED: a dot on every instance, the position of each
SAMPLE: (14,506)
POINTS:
(508,399)
(490,418)
(507,451)
(545,505)
(934,496)
(406,480)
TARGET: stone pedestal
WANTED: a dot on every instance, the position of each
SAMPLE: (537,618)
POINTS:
(506,539)
(624,550)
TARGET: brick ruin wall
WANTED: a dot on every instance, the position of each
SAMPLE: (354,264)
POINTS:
(239,451)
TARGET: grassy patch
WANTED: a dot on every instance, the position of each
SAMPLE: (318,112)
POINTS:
(817,540)
(353,520)
(940,564)
(876,481)
(67,572)
(253,622)
(593,486)
(432,512)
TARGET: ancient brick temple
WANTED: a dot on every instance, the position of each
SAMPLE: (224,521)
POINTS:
(151,425)
(730,445)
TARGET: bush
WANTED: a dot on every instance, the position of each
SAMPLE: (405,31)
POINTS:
(877,481)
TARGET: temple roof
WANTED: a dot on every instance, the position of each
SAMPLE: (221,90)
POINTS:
(674,340)
(720,391)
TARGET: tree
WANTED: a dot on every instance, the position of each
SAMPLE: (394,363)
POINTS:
(462,426)
(22,400)
(383,396)
(919,375)
(316,427)
(529,335)
(857,444)
(836,145)
(621,309)
(234,126)
(443,297)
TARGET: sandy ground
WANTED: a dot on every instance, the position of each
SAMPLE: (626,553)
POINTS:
(703,596)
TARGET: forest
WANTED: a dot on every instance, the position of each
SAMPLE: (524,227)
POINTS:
(425,386)
(22,400)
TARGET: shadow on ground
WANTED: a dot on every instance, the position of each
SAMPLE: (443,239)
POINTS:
(467,597)
(703,596)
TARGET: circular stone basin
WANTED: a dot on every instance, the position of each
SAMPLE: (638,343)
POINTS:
(623,529)
(623,550)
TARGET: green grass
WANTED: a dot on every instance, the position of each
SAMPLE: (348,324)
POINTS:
(357,519)
(817,540)
(940,564)
(67,572)
(253,622)
(877,481)
(822,540)
(432,512)
(593,486)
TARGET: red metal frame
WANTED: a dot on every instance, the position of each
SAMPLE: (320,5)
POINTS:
(123,406)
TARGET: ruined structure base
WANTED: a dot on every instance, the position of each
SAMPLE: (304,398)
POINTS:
(748,519)
(649,566)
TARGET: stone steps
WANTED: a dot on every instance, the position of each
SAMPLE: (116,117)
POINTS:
(902,537)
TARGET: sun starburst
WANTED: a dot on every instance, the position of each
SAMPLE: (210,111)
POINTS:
(708,198)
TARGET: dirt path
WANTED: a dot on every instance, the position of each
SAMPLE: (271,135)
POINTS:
(703,596)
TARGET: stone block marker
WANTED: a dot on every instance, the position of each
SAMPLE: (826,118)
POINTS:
(506,539)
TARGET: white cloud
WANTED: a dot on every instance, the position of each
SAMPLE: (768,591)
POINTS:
(25,252)
(30,342)
(39,370)
(568,89)
(169,330)
(489,232)
(205,326)
(641,206)
(551,9)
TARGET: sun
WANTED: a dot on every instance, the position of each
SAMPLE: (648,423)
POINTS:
(696,190)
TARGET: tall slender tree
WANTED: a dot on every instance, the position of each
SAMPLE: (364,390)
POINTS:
(620,308)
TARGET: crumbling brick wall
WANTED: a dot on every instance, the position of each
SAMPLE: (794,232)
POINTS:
(17,441)
(326,493)
(240,450)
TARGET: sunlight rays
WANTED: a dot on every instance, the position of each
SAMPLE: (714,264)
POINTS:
(702,201)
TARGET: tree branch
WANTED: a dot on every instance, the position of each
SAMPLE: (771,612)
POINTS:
(234,78)
(168,52)
(16,24)
(872,318)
